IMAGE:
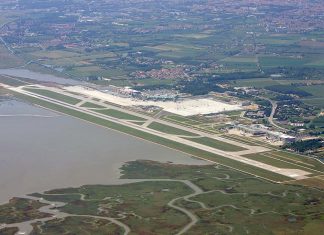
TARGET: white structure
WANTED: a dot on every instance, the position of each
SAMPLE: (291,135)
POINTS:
(185,107)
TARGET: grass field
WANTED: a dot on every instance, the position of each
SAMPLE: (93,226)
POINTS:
(217,144)
(8,60)
(316,63)
(297,159)
(118,114)
(169,129)
(11,81)
(318,102)
(316,182)
(193,35)
(91,105)
(279,162)
(258,82)
(246,140)
(240,59)
(192,122)
(317,98)
(66,58)
(182,120)
(282,155)
(278,40)
(175,49)
(54,95)
(241,63)
(275,61)
(54,54)
(315,90)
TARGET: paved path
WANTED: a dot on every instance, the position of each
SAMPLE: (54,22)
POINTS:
(273,112)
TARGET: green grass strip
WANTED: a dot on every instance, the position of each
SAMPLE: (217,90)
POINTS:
(169,129)
(297,159)
(276,163)
(217,144)
(118,114)
(54,95)
(91,105)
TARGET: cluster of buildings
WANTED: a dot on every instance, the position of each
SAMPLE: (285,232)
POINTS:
(164,73)
(162,94)
(260,130)
(121,91)
(293,16)
(155,95)
(255,114)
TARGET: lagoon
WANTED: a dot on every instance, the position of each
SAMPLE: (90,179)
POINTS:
(42,150)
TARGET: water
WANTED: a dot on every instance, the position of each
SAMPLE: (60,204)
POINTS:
(24,73)
(48,151)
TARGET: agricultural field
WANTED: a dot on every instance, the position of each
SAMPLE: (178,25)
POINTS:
(258,82)
(8,60)
(268,61)
(317,98)
(224,42)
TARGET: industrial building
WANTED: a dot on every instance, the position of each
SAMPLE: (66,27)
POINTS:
(260,130)
(251,130)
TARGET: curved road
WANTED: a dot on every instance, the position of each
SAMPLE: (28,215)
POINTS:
(273,112)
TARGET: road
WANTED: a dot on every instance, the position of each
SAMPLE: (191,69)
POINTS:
(6,45)
(3,41)
(274,105)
